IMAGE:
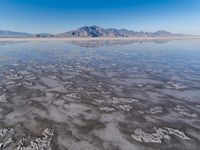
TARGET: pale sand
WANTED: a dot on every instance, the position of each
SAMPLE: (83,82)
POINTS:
(101,39)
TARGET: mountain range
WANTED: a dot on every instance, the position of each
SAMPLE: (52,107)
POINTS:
(92,31)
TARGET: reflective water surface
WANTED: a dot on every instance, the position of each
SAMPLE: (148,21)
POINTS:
(100,96)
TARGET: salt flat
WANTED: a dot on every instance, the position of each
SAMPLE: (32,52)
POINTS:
(58,94)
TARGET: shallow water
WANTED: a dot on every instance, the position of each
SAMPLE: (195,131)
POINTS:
(110,96)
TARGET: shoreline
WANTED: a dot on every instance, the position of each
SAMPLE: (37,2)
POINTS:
(71,39)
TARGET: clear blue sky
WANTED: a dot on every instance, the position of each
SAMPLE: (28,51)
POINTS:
(54,16)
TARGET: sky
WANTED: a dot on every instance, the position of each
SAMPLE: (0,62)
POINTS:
(56,16)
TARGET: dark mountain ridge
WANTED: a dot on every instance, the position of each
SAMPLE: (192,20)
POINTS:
(96,31)
(92,31)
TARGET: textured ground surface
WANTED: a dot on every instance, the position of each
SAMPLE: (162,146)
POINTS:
(99,96)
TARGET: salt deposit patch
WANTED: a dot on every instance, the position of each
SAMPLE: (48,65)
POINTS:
(73,95)
(6,137)
(28,83)
(115,100)
(159,135)
(23,72)
(156,110)
(13,77)
(52,77)
(174,85)
(42,143)
(185,111)
(125,107)
(6,143)
(107,109)
(3,98)
(10,82)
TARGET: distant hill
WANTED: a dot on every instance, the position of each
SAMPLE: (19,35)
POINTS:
(43,35)
(7,34)
(13,34)
(92,31)
(96,31)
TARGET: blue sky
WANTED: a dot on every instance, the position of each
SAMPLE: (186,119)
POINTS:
(55,16)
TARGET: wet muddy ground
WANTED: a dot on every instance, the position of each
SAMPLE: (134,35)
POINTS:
(74,96)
